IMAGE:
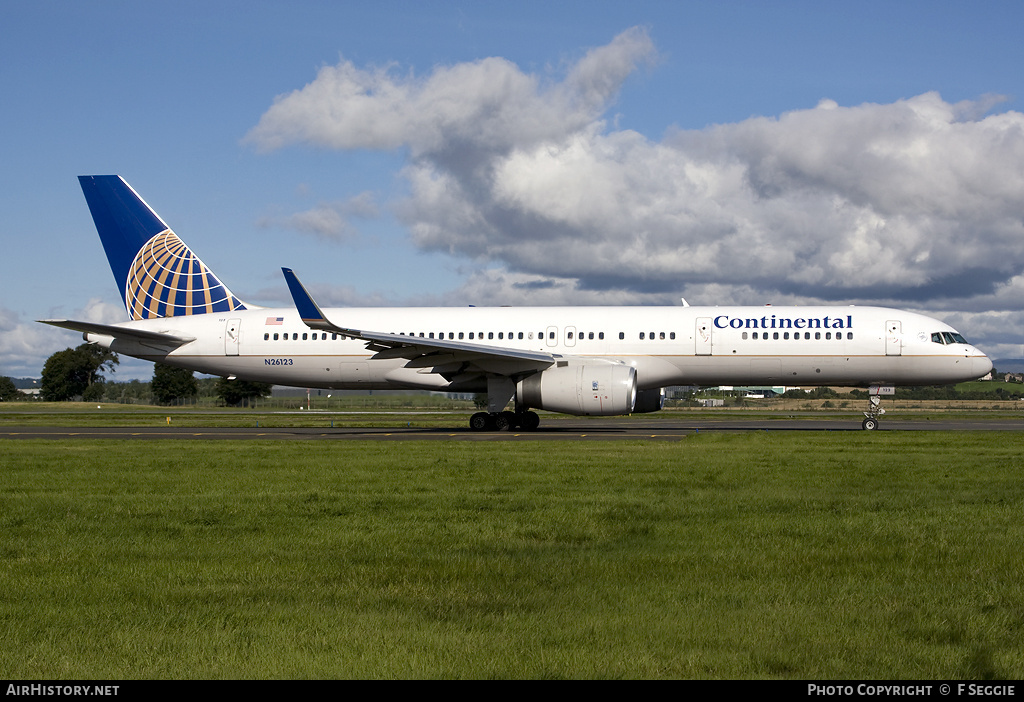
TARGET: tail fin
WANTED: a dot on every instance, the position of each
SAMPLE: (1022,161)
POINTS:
(158,274)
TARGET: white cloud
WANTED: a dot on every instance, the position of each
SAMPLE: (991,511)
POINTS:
(486,106)
(328,220)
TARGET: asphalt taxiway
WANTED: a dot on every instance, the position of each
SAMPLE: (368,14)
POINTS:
(577,429)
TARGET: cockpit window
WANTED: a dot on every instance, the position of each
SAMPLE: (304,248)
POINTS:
(948,338)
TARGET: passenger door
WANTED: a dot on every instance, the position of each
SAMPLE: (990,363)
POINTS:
(893,338)
(702,337)
(232,337)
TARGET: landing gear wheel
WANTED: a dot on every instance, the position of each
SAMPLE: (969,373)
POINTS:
(529,421)
(480,421)
(869,424)
(505,421)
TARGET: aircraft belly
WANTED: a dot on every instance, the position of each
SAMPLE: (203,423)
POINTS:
(827,370)
(657,372)
(782,370)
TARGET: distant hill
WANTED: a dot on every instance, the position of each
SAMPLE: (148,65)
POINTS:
(27,383)
(1009,365)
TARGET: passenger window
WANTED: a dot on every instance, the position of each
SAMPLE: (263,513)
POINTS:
(785,335)
(744,336)
(622,335)
(775,335)
(520,335)
(266,337)
(817,336)
(661,335)
(490,335)
(641,336)
(755,335)
(828,336)
(849,336)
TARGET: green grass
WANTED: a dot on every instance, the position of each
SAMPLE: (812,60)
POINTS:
(793,555)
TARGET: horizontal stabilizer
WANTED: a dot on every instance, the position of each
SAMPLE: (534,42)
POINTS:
(119,332)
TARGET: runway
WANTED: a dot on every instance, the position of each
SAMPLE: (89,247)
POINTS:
(577,429)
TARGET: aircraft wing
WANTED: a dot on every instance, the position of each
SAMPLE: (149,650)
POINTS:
(119,332)
(421,352)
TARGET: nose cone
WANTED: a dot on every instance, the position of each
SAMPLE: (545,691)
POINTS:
(980,365)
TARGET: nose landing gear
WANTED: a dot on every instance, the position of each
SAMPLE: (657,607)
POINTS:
(875,409)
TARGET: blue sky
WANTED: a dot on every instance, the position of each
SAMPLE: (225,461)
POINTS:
(523,153)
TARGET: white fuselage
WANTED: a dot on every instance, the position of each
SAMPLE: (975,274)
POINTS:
(666,345)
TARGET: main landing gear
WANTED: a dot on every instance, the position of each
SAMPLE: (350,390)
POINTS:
(500,391)
(504,421)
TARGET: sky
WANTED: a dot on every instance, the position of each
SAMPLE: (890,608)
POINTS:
(526,153)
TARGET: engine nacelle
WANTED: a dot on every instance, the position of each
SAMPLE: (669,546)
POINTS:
(649,400)
(590,389)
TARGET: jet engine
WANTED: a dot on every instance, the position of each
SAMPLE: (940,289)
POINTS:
(588,388)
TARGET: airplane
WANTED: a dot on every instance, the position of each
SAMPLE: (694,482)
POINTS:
(573,360)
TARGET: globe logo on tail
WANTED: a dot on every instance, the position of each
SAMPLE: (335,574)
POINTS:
(167,280)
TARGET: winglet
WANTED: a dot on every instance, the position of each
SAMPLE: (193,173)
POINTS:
(304,303)
(308,310)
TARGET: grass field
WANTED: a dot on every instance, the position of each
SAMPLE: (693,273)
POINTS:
(760,555)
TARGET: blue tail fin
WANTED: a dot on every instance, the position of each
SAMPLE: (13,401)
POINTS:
(158,274)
